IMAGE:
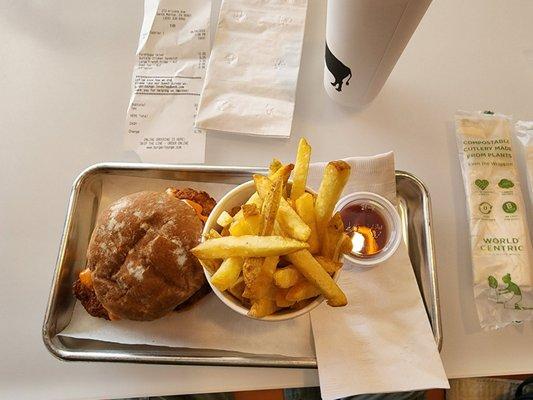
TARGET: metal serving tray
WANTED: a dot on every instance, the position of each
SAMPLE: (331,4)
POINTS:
(87,192)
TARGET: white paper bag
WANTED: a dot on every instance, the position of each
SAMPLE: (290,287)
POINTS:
(251,80)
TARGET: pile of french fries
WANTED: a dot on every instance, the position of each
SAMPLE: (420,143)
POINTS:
(282,247)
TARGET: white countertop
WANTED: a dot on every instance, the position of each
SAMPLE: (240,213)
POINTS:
(64,87)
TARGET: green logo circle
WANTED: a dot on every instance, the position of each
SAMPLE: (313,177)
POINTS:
(485,208)
(510,207)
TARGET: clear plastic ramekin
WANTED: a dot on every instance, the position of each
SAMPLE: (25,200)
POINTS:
(390,217)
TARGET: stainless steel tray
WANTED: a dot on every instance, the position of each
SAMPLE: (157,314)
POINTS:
(415,210)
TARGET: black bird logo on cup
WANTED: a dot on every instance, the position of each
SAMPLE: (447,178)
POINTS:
(337,69)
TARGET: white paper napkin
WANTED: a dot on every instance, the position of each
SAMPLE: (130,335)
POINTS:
(251,78)
(381,341)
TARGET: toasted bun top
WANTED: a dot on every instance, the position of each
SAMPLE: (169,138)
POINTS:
(139,255)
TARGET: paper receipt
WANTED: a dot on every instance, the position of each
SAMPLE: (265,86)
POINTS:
(167,82)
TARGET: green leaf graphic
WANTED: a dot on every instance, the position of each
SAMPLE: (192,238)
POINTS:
(482,183)
(493,283)
(505,184)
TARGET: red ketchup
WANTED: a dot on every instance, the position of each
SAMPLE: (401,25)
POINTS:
(367,228)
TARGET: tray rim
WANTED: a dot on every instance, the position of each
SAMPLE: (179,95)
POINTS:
(58,350)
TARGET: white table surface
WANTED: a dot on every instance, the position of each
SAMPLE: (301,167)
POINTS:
(64,87)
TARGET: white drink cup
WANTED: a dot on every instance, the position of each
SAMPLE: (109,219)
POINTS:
(364,39)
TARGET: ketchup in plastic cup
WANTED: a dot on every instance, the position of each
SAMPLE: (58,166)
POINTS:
(374,226)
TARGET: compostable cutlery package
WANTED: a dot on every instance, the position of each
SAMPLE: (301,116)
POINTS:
(500,247)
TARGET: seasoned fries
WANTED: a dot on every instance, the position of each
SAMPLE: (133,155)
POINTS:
(305,207)
(284,172)
(246,226)
(238,288)
(213,234)
(344,246)
(299,179)
(329,266)
(224,219)
(212,265)
(258,273)
(281,298)
(274,166)
(282,247)
(301,291)
(335,177)
(287,218)
(254,279)
(254,199)
(228,273)
(332,236)
(263,307)
(286,277)
(247,246)
(314,273)
(271,204)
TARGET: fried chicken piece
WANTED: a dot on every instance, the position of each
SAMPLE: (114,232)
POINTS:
(88,299)
(90,302)
(86,294)
(202,198)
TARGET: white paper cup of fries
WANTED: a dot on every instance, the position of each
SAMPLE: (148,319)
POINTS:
(271,249)
(236,198)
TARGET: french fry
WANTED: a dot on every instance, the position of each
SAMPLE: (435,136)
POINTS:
(211,264)
(305,207)
(344,246)
(271,204)
(258,276)
(270,264)
(238,288)
(263,307)
(301,291)
(224,219)
(212,234)
(281,298)
(336,175)
(278,231)
(287,218)
(275,164)
(284,172)
(254,199)
(314,273)
(286,277)
(299,176)
(253,279)
(245,226)
(247,246)
(257,271)
(332,236)
(330,266)
(249,210)
(347,244)
(301,304)
(249,223)
(228,273)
